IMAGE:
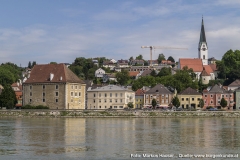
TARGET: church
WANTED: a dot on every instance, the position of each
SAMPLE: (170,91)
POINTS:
(203,66)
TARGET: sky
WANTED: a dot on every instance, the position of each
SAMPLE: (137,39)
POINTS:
(60,31)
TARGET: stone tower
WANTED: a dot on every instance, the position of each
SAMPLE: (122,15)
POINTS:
(202,46)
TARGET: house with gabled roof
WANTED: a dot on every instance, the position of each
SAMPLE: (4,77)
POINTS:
(139,98)
(189,98)
(234,85)
(55,86)
(159,92)
(215,94)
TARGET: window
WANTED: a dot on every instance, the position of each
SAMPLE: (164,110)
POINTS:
(79,94)
(192,99)
(116,100)
(71,93)
(30,87)
(120,100)
(115,106)
(72,86)
(100,100)
(205,95)
(120,106)
(43,100)
(182,105)
(182,99)
(203,56)
(56,100)
(56,86)
(43,86)
(110,94)
(71,100)
(94,95)
(79,86)
(43,94)
(30,93)
(226,95)
(121,94)
(162,100)
(198,99)
(99,94)
(187,106)
(76,87)
(56,93)
(116,95)
(230,95)
(186,99)
(211,102)
(105,94)
(94,101)
(211,95)
(105,100)
(110,100)
(105,106)
(222,96)
(100,107)
(30,100)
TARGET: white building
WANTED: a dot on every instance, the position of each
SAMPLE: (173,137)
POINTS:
(99,73)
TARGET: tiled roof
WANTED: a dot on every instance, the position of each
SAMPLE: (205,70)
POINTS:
(133,73)
(190,91)
(110,88)
(213,66)
(205,73)
(195,64)
(216,89)
(153,61)
(146,73)
(236,83)
(139,92)
(159,88)
(61,73)
(208,69)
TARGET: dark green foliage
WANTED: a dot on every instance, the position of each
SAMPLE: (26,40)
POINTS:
(164,72)
(8,98)
(35,107)
(201,103)
(223,103)
(153,73)
(170,58)
(140,57)
(130,104)
(161,57)
(122,77)
(175,101)
(154,102)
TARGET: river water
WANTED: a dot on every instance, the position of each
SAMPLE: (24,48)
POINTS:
(118,138)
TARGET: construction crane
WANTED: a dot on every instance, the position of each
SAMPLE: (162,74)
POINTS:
(158,47)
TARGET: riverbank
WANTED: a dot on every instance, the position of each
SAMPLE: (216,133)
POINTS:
(119,113)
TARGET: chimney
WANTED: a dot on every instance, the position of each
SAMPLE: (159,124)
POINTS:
(51,76)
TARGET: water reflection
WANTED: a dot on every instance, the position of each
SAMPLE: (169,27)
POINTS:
(101,138)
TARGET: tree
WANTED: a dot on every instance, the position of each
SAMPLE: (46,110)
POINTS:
(131,59)
(29,64)
(201,103)
(154,103)
(8,98)
(161,57)
(140,57)
(164,72)
(6,77)
(175,101)
(130,104)
(153,73)
(53,62)
(223,103)
(170,58)
(123,77)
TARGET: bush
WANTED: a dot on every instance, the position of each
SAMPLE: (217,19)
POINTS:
(28,106)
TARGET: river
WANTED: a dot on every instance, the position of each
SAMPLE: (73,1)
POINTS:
(118,138)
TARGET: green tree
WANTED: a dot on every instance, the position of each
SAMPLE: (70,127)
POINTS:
(53,62)
(170,58)
(153,73)
(161,57)
(140,57)
(175,101)
(130,105)
(164,72)
(201,103)
(29,64)
(122,77)
(223,103)
(8,98)
(154,103)
(6,77)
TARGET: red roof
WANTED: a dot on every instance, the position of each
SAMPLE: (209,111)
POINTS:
(61,73)
(195,64)
(133,73)
(213,66)
(139,92)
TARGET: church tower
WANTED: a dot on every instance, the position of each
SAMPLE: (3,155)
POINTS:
(202,46)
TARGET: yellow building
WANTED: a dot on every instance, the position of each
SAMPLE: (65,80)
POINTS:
(139,98)
(189,98)
(55,86)
(111,96)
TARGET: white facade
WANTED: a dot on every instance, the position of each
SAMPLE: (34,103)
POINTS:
(203,53)
(99,73)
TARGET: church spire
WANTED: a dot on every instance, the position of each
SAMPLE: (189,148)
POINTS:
(202,35)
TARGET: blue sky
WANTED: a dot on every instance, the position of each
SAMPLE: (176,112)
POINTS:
(59,31)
